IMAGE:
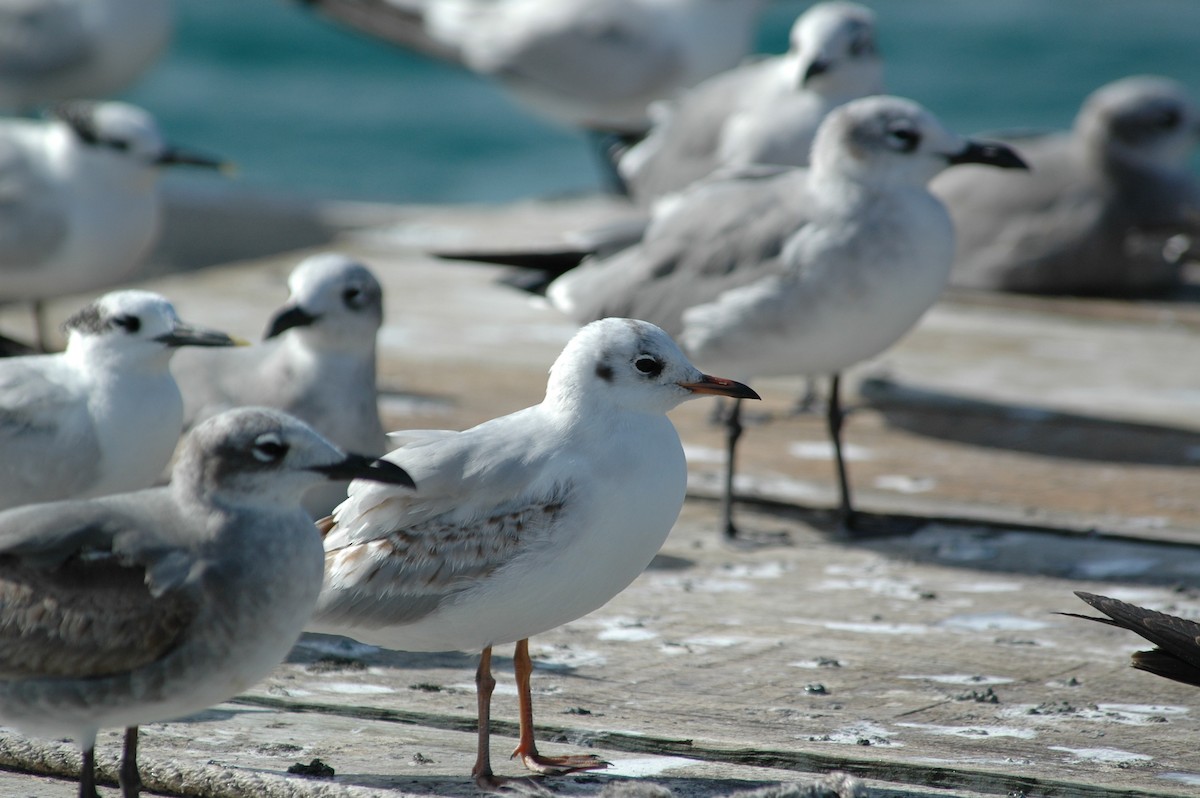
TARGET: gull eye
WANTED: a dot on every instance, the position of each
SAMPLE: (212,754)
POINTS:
(1170,119)
(904,139)
(269,448)
(353,298)
(128,323)
(648,365)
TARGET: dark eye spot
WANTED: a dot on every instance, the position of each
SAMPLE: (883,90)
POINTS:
(604,372)
(352,298)
(1169,120)
(268,448)
(648,365)
(905,139)
(130,324)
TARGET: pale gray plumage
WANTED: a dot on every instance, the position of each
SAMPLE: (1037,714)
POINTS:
(801,271)
(151,605)
(102,417)
(762,112)
(317,363)
(1106,209)
(53,50)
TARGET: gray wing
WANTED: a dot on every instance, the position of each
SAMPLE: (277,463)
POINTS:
(33,219)
(48,447)
(721,234)
(398,23)
(79,595)
(42,36)
(683,145)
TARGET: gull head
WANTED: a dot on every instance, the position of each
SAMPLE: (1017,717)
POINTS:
(890,142)
(335,303)
(1144,118)
(834,48)
(632,366)
(135,330)
(127,134)
(257,456)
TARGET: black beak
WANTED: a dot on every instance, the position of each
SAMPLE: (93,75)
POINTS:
(288,318)
(356,466)
(177,156)
(719,386)
(818,67)
(991,153)
(189,335)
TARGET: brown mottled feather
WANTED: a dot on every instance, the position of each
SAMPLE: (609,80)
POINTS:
(91,616)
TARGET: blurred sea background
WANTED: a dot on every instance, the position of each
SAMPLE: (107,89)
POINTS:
(307,108)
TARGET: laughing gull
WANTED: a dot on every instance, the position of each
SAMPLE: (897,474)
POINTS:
(52,50)
(762,112)
(317,363)
(1108,208)
(1177,640)
(799,271)
(105,415)
(80,198)
(152,605)
(523,523)
(592,64)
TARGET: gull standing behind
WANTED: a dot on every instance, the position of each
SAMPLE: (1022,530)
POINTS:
(152,605)
(105,415)
(592,64)
(523,523)
(805,271)
(79,206)
(1110,208)
(52,50)
(317,363)
(763,112)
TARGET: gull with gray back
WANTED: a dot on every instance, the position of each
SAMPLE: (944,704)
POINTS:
(152,605)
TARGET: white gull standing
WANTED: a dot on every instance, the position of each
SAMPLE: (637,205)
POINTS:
(762,112)
(798,272)
(317,363)
(523,523)
(52,50)
(79,205)
(1110,206)
(152,605)
(105,415)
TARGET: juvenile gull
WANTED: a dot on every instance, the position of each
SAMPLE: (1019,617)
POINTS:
(1107,209)
(593,64)
(79,197)
(762,112)
(524,522)
(152,605)
(1176,655)
(317,363)
(799,271)
(52,50)
(105,415)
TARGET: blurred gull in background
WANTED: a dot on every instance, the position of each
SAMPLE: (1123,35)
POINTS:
(317,363)
(52,50)
(762,112)
(105,415)
(1110,207)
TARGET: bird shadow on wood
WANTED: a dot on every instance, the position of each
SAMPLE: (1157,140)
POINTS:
(1029,429)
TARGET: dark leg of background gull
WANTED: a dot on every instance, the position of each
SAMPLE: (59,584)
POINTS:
(87,774)
(835,417)
(733,431)
(608,147)
(129,778)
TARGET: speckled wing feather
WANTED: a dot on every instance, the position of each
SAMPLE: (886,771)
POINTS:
(1178,639)
(74,602)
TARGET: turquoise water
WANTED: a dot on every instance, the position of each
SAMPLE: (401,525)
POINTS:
(303,106)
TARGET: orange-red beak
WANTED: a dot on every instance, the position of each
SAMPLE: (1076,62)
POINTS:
(721,387)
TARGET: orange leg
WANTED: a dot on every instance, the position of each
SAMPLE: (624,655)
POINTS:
(526,747)
(484,685)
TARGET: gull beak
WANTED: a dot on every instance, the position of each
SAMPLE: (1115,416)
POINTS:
(189,335)
(719,386)
(356,466)
(288,318)
(991,153)
(819,66)
(177,156)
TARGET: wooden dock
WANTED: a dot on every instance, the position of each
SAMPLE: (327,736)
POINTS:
(1045,446)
